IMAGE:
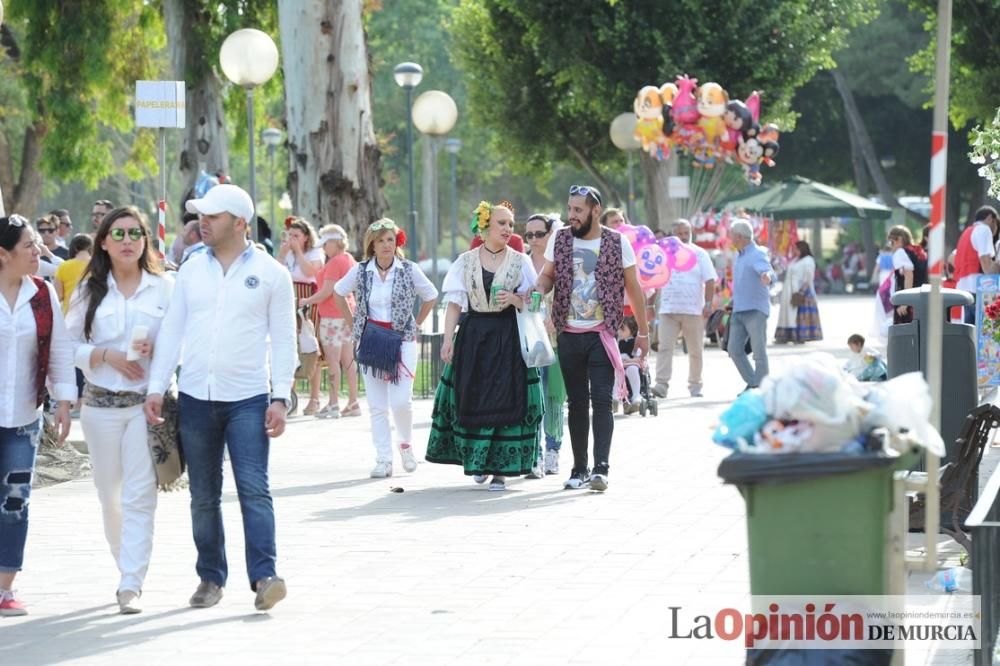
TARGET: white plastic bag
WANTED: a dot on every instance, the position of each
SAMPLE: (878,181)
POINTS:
(814,390)
(308,344)
(904,404)
(536,350)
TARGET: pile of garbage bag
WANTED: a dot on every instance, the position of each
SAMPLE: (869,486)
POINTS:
(813,406)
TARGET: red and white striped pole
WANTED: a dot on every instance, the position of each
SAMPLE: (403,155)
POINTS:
(161,228)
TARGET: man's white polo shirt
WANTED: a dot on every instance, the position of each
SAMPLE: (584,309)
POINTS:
(225,324)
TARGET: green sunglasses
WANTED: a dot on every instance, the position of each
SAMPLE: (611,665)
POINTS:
(118,234)
(383,224)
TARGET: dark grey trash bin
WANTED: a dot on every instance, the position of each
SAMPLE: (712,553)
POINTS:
(907,352)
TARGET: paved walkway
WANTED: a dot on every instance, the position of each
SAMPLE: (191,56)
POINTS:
(442,573)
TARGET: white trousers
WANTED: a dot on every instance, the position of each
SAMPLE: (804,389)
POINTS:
(384,397)
(126,486)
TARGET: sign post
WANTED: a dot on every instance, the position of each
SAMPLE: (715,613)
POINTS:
(160,104)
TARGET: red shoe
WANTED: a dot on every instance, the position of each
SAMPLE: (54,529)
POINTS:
(10,606)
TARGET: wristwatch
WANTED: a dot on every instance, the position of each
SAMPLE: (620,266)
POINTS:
(281,400)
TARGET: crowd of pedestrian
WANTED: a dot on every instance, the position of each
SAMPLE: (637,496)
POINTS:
(205,354)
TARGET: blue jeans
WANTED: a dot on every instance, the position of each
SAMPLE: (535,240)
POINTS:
(17,462)
(750,324)
(206,427)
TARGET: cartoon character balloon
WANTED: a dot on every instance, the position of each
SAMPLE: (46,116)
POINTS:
(656,260)
(649,119)
(703,123)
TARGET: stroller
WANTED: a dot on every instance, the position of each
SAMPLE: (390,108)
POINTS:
(646,400)
(308,355)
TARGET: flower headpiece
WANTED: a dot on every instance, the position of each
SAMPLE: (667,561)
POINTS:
(481,217)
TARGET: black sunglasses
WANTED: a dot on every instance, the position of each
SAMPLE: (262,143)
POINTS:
(46,230)
(586,191)
(118,234)
(528,235)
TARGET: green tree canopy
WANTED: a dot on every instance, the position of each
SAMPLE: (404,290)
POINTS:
(550,76)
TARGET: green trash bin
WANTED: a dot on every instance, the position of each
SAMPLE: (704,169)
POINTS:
(817,523)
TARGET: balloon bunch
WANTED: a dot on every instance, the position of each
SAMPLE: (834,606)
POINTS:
(656,260)
(701,121)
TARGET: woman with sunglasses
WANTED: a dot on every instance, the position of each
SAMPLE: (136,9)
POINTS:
(538,229)
(488,405)
(386,286)
(118,308)
(302,256)
(34,347)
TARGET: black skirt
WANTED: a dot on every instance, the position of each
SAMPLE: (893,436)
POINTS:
(491,387)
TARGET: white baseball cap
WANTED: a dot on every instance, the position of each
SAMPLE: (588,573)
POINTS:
(223,199)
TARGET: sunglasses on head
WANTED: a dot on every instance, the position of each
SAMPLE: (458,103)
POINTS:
(118,234)
(379,226)
(586,191)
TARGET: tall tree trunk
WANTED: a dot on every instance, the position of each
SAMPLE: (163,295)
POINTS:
(25,191)
(205,143)
(334,175)
(661,211)
(862,148)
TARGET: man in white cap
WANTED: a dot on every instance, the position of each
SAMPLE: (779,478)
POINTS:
(231,303)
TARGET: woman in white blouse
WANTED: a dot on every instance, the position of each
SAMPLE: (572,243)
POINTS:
(123,295)
(386,286)
(302,256)
(34,347)
(488,405)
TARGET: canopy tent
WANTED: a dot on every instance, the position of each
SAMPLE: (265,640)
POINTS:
(799,198)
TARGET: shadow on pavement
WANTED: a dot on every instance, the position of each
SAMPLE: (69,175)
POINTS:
(426,504)
(93,631)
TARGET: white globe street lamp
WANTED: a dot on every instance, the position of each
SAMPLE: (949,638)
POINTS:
(249,58)
(434,113)
(623,136)
(408,76)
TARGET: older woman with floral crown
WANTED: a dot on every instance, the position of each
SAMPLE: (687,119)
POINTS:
(488,404)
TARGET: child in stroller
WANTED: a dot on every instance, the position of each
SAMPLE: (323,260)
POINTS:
(640,396)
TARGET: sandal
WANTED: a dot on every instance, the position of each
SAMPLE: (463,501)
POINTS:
(329,412)
(352,409)
(311,408)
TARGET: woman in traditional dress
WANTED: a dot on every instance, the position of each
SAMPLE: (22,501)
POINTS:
(537,232)
(124,289)
(798,322)
(386,286)
(302,256)
(488,405)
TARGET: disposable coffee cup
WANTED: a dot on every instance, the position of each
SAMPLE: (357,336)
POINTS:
(139,334)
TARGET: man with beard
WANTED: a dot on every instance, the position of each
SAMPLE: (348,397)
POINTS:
(588,352)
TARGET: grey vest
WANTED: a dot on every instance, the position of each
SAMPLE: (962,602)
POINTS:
(403,297)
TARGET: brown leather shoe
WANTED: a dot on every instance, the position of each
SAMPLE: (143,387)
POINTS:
(207,595)
(270,591)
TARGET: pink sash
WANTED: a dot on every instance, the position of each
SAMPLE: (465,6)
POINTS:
(611,347)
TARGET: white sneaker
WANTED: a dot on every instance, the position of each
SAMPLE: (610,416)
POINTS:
(497,484)
(409,461)
(128,602)
(551,461)
(537,470)
(480,478)
(382,470)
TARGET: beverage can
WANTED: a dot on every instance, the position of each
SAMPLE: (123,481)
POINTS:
(536,301)
(494,293)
